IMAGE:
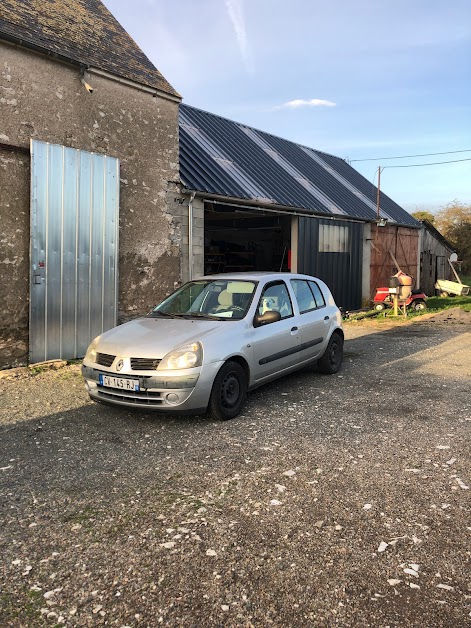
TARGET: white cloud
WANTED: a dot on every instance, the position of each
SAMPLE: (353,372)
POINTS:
(235,11)
(313,102)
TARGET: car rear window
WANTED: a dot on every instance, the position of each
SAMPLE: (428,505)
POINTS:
(316,291)
(304,296)
(308,295)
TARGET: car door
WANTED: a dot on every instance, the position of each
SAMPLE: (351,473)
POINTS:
(275,345)
(313,320)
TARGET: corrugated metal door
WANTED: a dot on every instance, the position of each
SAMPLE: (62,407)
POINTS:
(332,251)
(74,249)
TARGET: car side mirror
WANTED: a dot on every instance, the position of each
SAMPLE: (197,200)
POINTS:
(272,316)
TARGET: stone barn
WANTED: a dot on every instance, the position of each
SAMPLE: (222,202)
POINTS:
(89,212)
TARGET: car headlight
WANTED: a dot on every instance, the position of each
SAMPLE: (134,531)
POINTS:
(184,357)
(91,351)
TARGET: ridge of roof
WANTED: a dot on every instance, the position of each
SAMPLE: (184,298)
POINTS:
(248,126)
(437,234)
(83,31)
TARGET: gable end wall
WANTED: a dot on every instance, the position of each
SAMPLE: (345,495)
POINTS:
(44,99)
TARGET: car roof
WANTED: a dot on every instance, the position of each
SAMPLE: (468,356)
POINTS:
(257,276)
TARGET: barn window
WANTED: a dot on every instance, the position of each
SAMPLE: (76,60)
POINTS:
(333,239)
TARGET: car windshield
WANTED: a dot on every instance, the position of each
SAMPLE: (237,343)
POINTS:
(224,299)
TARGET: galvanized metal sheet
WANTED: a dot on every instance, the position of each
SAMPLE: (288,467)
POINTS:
(74,249)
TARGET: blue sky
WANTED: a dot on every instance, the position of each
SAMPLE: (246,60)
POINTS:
(356,78)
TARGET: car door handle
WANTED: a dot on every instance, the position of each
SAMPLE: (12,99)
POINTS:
(294,329)
(326,318)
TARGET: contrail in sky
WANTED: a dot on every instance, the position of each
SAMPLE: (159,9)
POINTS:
(234,9)
(313,102)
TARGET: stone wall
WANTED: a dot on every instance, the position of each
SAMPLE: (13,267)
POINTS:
(14,256)
(44,99)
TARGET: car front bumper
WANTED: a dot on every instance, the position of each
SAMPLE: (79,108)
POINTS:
(178,392)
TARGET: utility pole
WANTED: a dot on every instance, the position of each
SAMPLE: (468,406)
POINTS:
(378,194)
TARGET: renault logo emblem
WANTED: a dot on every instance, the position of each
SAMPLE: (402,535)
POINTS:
(119,365)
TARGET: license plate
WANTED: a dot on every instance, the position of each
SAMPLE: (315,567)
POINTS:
(119,382)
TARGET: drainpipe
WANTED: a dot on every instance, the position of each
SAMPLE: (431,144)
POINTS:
(190,236)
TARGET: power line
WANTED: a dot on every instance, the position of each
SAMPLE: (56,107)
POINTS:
(435,163)
(449,152)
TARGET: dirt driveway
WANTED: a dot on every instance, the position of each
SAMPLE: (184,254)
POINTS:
(338,500)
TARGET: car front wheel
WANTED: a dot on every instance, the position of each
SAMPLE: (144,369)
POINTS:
(331,361)
(229,392)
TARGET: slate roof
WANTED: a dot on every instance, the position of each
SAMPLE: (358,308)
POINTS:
(226,158)
(83,31)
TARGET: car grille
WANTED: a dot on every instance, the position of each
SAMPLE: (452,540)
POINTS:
(144,364)
(142,397)
(104,359)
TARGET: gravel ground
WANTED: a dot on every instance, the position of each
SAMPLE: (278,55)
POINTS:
(340,500)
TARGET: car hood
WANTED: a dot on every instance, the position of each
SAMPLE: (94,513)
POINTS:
(155,337)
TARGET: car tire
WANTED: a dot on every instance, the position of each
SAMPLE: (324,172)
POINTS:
(229,392)
(331,361)
(419,305)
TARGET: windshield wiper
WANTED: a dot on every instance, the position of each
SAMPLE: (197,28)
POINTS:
(198,315)
(166,314)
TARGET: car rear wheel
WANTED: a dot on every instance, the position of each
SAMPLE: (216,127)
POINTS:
(331,361)
(229,392)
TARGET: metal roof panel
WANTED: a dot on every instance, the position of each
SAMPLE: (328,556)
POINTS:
(222,157)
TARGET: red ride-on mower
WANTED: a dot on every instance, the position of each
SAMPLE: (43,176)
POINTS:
(383,299)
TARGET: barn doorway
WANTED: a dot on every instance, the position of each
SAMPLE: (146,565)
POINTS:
(244,240)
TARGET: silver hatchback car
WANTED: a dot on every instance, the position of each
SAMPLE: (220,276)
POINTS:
(213,340)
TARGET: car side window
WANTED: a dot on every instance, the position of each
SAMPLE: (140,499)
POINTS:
(304,296)
(316,291)
(275,297)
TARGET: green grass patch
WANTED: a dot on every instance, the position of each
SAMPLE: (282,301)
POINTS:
(23,606)
(85,517)
(434,305)
(444,303)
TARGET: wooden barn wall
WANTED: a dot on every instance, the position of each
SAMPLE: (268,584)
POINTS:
(403,243)
(433,262)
